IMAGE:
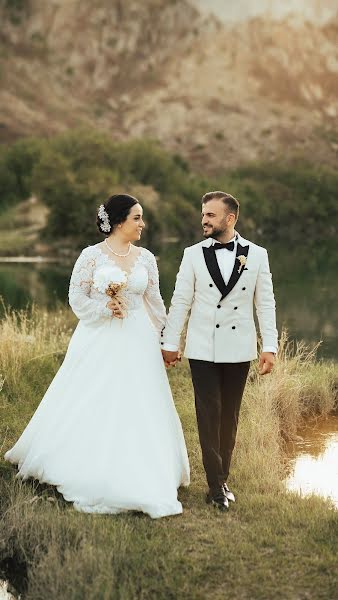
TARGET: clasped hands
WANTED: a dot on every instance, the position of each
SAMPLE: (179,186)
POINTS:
(171,357)
(265,366)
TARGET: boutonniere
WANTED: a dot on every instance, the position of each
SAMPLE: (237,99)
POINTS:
(242,261)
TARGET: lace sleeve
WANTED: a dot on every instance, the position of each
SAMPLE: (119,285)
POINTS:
(86,308)
(152,295)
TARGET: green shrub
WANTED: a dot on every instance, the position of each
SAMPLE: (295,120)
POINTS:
(7,184)
(72,195)
(82,168)
(295,201)
(19,160)
(75,171)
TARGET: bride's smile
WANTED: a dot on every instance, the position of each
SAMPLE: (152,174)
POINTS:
(131,229)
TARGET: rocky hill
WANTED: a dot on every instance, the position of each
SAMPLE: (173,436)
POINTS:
(219,91)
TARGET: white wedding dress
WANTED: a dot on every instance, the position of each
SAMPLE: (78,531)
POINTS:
(107,433)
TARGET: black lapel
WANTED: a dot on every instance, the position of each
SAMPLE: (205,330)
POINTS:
(213,268)
(235,275)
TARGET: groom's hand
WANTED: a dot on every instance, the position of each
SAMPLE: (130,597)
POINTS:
(266,362)
(170,357)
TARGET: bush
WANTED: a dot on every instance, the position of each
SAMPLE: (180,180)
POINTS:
(82,168)
(290,201)
(71,193)
(21,160)
(7,184)
(75,171)
(16,166)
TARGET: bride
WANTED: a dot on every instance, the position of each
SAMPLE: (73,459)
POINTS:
(107,433)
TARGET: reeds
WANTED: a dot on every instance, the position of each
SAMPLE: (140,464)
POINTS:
(200,554)
(301,387)
(27,336)
(32,345)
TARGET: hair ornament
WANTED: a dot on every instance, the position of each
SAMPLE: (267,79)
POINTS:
(103,215)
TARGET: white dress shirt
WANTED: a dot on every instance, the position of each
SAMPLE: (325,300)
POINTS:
(226,261)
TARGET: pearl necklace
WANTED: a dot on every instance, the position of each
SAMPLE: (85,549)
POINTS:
(116,254)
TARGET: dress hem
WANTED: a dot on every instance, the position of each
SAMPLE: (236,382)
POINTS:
(169,510)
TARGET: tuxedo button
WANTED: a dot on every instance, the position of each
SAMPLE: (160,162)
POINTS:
(243,289)
(218,306)
(235,307)
(162,343)
(210,285)
(233,327)
(217,326)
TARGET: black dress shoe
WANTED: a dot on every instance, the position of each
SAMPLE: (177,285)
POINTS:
(229,495)
(217,498)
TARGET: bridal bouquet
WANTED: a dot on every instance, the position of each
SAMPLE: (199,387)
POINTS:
(111,281)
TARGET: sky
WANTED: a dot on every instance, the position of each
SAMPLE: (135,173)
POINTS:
(238,10)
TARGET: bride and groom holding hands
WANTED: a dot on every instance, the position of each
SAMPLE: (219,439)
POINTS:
(106,432)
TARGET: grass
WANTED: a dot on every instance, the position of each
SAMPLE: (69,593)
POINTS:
(271,545)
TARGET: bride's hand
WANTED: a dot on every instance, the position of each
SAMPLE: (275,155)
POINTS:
(115,307)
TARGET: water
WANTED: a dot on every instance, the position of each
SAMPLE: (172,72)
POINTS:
(314,461)
(305,285)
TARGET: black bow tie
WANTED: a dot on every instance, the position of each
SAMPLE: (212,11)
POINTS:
(229,246)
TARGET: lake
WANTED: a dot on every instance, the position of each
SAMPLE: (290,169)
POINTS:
(305,283)
(313,460)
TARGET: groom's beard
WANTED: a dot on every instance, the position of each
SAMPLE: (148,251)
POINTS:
(213,232)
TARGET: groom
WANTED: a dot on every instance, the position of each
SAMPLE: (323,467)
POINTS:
(219,281)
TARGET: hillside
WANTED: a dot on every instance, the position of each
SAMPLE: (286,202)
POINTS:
(220,93)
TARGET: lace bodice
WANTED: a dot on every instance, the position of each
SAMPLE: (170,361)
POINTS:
(90,305)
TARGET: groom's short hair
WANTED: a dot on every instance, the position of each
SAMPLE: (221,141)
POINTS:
(231,202)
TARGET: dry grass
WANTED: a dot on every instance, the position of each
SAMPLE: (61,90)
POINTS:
(300,387)
(30,336)
(32,345)
(271,545)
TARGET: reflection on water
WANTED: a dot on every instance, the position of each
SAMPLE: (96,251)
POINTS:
(314,464)
(43,284)
(306,288)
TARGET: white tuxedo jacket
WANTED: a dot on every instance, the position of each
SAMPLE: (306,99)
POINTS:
(221,325)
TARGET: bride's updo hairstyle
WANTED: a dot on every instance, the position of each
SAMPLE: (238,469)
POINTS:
(114,212)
